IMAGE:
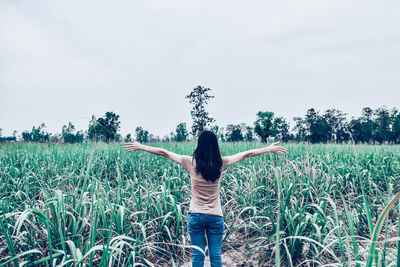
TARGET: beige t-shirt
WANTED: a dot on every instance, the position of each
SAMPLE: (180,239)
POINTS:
(205,194)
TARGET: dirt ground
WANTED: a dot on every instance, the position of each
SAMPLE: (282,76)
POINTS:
(238,258)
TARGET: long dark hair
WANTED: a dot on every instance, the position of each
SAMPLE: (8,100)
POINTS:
(208,157)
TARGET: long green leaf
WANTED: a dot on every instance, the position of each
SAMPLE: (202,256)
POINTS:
(377,229)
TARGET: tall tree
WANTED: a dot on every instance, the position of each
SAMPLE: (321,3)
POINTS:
(336,120)
(267,125)
(109,125)
(396,126)
(248,132)
(69,136)
(284,131)
(104,128)
(234,133)
(26,136)
(367,113)
(94,132)
(142,136)
(201,119)
(300,129)
(383,121)
(317,127)
(368,126)
(355,130)
(181,132)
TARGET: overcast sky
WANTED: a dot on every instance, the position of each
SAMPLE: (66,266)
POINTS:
(63,61)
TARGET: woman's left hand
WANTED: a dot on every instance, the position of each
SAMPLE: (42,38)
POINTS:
(274,148)
(132,146)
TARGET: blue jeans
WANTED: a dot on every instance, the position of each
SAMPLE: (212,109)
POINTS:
(211,225)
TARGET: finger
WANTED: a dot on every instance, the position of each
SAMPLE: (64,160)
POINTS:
(128,143)
(276,143)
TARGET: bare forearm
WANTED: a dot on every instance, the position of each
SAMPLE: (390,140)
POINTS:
(153,150)
(257,151)
(162,152)
(249,153)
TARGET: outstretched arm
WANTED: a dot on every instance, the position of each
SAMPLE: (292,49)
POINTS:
(273,148)
(132,146)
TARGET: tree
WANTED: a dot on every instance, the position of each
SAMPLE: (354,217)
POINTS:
(317,127)
(94,130)
(109,125)
(267,125)
(104,128)
(26,136)
(154,138)
(336,120)
(248,135)
(367,113)
(383,121)
(56,138)
(142,136)
(355,130)
(234,133)
(37,134)
(181,132)
(396,126)
(284,134)
(7,138)
(201,119)
(300,128)
(128,138)
(322,133)
(215,129)
(69,136)
(368,126)
(221,134)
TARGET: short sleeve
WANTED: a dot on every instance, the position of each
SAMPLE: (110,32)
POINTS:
(187,163)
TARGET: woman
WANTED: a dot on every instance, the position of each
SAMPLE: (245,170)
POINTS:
(205,168)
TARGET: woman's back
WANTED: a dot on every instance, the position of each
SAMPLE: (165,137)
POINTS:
(205,194)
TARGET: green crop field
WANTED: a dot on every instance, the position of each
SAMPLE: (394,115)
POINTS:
(97,205)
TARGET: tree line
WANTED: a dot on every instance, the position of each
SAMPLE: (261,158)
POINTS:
(332,126)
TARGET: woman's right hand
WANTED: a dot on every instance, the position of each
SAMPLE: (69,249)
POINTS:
(274,148)
(132,146)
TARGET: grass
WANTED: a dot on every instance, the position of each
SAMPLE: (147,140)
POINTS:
(96,205)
